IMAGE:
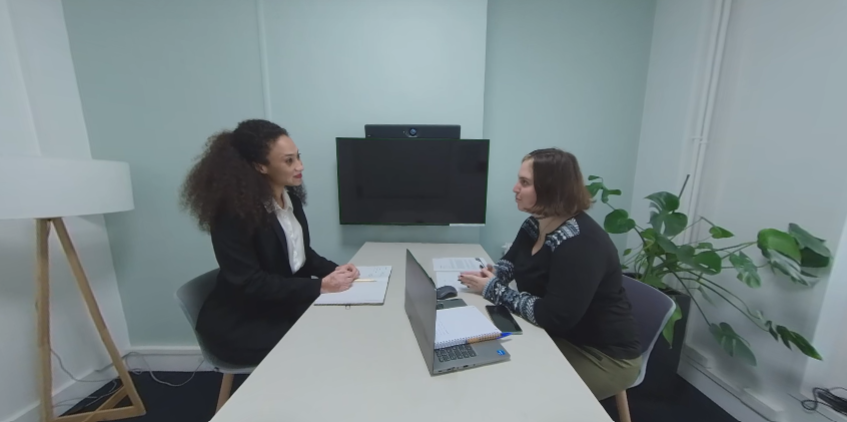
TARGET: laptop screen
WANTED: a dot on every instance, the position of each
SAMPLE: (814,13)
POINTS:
(421,307)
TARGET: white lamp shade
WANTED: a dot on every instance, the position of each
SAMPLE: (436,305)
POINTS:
(45,187)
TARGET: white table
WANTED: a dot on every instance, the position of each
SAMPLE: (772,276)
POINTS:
(363,364)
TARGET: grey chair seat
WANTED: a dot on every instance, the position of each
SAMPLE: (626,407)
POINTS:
(191,297)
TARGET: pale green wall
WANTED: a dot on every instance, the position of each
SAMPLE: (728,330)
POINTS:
(157,77)
(569,74)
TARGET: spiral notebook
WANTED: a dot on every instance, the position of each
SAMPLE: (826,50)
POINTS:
(457,326)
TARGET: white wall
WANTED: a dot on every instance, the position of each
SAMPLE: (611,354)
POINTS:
(41,114)
(674,82)
(774,157)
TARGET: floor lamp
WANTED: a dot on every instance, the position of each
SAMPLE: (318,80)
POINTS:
(46,190)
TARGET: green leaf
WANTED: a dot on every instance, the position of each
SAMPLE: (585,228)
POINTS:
(704,245)
(771,330)
(708,261)
(594,188)
(664,201)
(593,177)
(627,251)
(747,271)
(790,337)
(720,232)
(609,192)
(807,241)
(675,223)
(786,265)
(618,221)
(668,223)
(810,259)
(667,245)
(668,330)
(652,280)
(732,343)
(779,241)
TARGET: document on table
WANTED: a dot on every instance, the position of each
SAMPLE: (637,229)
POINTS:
(449,278)
(458,264)
(362,292)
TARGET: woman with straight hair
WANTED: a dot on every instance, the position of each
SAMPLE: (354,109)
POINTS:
(568,275)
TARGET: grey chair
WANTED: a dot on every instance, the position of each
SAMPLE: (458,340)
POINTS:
(651,309)
(190,298)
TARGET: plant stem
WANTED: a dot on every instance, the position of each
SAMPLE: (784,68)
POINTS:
(738,246)
(746,314)
(687,290)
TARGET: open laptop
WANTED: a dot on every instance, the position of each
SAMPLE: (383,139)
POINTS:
(421,309)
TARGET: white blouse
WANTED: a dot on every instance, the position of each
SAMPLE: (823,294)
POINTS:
(293,233)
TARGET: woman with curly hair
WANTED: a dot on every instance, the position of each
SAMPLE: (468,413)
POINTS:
(247,191)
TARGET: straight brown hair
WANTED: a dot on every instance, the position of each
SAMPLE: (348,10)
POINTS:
(559,187)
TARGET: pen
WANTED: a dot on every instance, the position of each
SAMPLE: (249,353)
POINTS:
(481,339)
(363,279)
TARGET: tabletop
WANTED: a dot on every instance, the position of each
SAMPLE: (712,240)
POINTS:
(362,363)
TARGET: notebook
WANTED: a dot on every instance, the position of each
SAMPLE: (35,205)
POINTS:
(457,326)
(362,292)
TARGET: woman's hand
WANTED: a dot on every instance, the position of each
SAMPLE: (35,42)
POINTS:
(349,268)
(475,281)
(339,281)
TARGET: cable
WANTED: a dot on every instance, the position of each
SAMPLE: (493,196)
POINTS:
(826,397)
(68,373)
(114,381)
(152,375)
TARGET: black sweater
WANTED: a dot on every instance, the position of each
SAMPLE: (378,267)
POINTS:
(571,287)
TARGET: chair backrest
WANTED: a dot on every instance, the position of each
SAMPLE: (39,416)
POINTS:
(191,295)
(651,309)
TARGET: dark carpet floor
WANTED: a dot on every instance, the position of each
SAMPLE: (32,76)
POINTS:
(195,401)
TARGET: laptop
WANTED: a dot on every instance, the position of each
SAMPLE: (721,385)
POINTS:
(420,307)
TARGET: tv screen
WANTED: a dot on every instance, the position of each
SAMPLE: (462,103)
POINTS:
(412,180)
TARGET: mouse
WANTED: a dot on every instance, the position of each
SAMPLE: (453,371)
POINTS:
(445,292)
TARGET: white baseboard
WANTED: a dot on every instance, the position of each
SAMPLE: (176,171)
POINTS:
(71,392)
(742,404)
(166,359)
(149,358)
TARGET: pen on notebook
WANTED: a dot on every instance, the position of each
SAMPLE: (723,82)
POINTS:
(481,339)
(363,279)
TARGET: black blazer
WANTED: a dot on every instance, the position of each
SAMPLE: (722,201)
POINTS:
(257,298)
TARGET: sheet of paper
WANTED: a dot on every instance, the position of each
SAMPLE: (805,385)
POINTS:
(362,292)
(449,278)
(458,264)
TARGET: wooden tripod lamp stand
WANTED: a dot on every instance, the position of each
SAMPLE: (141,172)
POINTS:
(46,190)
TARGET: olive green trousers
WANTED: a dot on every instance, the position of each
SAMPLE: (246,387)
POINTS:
(604,376)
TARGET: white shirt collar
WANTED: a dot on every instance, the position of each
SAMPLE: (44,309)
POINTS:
(285,198)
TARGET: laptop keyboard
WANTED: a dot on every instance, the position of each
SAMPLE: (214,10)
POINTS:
(463,351)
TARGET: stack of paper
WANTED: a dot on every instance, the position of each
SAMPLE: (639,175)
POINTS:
(362,292)
(462,325)
(447,270)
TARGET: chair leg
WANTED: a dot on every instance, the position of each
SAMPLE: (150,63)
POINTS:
(623,406)
(226,389)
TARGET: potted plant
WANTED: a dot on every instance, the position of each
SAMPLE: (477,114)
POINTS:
(685,270)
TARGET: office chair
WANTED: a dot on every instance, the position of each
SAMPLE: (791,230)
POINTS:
(651,309)
(190,298)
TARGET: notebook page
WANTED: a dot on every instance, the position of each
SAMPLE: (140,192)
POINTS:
(456,326)
(362,292)
(458,264)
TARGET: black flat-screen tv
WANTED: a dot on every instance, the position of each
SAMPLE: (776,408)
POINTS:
(412,181)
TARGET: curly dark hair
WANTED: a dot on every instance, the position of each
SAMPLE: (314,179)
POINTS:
(224,179)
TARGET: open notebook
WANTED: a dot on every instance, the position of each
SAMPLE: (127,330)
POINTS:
(362,292)
(457,326)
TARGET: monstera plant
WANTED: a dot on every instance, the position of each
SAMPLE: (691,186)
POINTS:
(662,259)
